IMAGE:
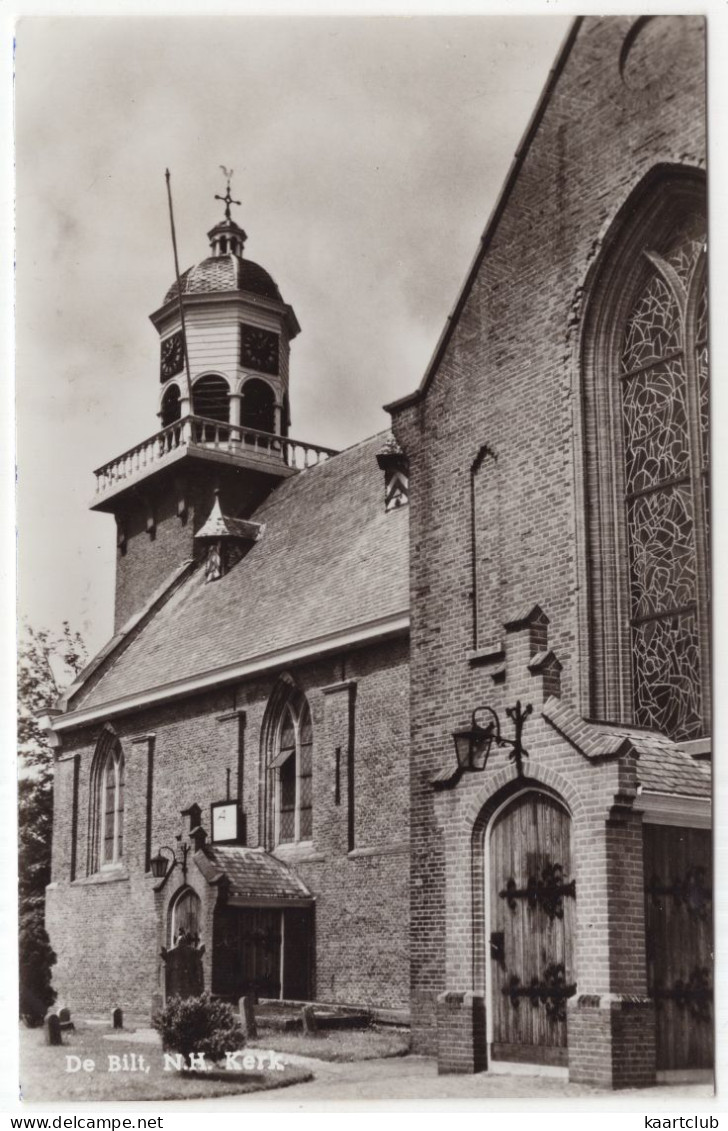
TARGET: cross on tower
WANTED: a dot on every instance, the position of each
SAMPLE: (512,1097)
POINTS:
(227,198)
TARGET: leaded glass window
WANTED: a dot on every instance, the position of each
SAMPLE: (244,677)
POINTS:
(292,766)
(184,918)
(664,410)
(108,816)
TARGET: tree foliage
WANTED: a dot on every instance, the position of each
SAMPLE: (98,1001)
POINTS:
(43,661)
(47,661)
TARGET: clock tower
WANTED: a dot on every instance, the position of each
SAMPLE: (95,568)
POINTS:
(224,420)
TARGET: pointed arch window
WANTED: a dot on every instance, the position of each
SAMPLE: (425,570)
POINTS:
(289,738)
(647,397)
(184,917)
(108,804)
(664,394)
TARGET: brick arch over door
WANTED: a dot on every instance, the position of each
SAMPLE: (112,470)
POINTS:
(530,917)
(645,402)
(479,814)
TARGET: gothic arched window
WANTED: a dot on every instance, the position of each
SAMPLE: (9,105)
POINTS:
(184,917)
(647,425)
(107,832)
(288,738)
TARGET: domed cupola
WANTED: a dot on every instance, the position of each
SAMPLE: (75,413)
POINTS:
(225,335)
(238,331)
(226,269)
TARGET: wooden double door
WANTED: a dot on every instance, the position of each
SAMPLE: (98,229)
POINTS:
(532,927)
(263,951)
(678,916)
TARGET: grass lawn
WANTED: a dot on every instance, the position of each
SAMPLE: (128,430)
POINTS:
(339,1044)
(44,1076)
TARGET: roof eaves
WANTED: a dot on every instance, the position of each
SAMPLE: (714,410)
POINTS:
(589,740)
(492,224)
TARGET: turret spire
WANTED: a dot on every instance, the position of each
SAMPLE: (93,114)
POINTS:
(226,238)
(227,199)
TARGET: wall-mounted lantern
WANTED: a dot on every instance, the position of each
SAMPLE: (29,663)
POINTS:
(473,744)
(161,866)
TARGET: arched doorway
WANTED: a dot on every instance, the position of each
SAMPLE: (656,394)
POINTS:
(531,902)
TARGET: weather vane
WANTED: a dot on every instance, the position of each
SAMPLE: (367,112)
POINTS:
(227,199)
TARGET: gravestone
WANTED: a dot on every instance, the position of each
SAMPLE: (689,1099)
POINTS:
(52,1027)
(183,975)
(117,1018)
(64,1018)
(247,1018)
(310,1023)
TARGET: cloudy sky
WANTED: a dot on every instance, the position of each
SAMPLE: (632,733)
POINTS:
(367,156)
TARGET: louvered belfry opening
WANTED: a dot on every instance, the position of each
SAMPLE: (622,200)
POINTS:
(211,398)
(258,408)
(171,407)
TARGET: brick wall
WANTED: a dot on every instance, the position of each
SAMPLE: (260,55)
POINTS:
(160,520)
(108,929)
(509,378)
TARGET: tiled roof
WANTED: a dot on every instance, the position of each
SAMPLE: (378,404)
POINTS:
(254,875)
(330,560)
(226,273)
(663,767)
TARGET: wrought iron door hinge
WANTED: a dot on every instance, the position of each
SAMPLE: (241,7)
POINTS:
(546,891)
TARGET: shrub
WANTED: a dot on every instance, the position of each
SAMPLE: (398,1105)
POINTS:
(36,958)
(199,1025)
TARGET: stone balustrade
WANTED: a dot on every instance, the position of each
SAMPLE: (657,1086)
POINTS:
(197,432)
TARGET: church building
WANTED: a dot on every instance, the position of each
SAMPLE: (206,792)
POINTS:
(424,725)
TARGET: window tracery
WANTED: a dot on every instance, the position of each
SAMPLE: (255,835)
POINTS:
(663,458)
(289,754)
(107,839)
(646,402)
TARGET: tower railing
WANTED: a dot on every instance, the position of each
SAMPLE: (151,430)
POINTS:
(199,432)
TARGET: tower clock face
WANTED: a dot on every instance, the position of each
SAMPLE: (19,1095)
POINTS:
(259,350)
(173,356)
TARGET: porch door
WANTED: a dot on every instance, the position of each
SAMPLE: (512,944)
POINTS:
(247,952)
(678,914)
(532,923)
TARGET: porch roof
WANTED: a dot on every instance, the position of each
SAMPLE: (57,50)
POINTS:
(255,877)
(664,767)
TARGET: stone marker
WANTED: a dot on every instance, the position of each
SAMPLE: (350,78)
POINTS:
(183,975)
(52,1028)
(310,1022)
(247,1017)
(117,1018)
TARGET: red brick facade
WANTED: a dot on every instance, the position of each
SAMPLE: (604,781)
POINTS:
(504,568)
(498,510)
(108,929)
